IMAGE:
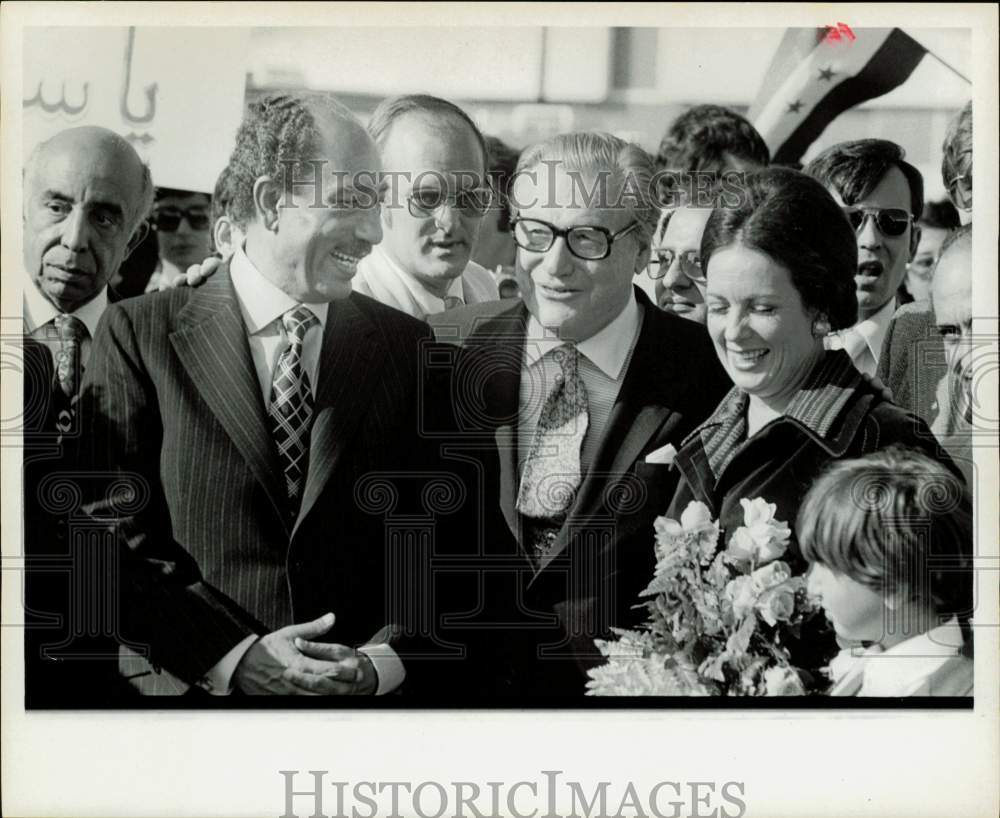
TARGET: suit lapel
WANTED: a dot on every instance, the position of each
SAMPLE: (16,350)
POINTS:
(211,343)
(348,373)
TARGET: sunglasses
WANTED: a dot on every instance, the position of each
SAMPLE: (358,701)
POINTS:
(168,219)
(588,243)
(689,260)
(891,221)
(425,202)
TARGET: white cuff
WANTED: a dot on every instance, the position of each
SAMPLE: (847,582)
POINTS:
(219,679)
(388,666)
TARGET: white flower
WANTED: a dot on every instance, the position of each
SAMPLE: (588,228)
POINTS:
(782,681)
(761,538)
(772,574)
(697,521)
(742,592)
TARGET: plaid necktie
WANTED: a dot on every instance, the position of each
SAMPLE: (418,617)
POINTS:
(72,333)
(291,407)
(552,472)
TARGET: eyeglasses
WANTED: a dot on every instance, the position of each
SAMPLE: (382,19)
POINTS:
(960,190)
(891,221)
(588,243)
(425,202)
(168,219)
(689,261)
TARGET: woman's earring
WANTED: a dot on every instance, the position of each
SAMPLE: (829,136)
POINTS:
(821,328)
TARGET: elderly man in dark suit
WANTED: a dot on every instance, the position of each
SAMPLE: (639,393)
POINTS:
(566,407)
(86,195)
(245,412)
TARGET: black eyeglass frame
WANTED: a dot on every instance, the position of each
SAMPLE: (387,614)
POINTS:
(557,232)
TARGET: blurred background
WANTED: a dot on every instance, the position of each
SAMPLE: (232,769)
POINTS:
(170,88)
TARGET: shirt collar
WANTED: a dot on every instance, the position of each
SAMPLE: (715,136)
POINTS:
(429,303)
(916,658)
(607,350)
(261,302)
(874,329)
(38,310)
(815,408)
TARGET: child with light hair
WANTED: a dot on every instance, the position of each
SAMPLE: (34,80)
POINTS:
(889,540)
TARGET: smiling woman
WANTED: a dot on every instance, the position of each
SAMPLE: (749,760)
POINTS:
(779,276)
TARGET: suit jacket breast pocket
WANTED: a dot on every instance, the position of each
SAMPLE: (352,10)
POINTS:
(657,483)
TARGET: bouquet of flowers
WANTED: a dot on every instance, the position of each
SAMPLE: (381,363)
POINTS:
(719,620)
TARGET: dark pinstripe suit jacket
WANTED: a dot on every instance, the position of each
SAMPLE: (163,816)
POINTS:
(207,555)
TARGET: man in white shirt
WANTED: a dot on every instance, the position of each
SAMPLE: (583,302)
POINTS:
(86,195)
(882,196)
(251,407)
(435,199)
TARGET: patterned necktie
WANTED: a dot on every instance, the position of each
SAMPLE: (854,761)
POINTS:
(961,398)
(552,473)
(291,406)
(72,333)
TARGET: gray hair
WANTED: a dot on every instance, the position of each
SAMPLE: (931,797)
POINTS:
(631,168)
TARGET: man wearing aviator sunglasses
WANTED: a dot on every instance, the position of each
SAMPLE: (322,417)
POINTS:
(882,197)
(181,220)
(434,201)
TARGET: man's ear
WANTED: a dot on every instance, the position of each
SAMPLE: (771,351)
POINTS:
(138,237)
(642,256)
(914,240)
(267,202)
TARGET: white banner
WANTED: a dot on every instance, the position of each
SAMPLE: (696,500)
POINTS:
(175,93)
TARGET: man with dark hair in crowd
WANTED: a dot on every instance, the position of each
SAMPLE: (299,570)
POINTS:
(495,247)
(86,197)
(227,234)
(435,160)
(183,229)
(248,408)
(937,222)
(882,196)
(707,139)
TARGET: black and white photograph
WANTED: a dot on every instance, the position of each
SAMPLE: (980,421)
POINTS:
(423,409)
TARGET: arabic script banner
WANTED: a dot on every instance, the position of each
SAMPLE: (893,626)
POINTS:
(175,93)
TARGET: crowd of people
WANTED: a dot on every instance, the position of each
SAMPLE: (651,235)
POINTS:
(407,431)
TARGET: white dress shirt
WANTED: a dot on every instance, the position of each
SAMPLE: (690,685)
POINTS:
(603,364)
(381,278)
(39,315)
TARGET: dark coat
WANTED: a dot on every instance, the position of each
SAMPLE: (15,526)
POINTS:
(207,553)
(528,631)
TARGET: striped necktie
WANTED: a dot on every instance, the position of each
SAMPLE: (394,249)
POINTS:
(291,407)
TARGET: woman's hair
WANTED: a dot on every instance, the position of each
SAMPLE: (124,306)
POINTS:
(792,219)
(627,169)
(956,157)
(894,520)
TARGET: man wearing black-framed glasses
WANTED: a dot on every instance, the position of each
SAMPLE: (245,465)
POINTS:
(182,224)
(434,200)
(567,403)
(882,197)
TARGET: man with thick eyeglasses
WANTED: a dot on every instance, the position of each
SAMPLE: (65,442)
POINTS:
(181,220)
(435,198)
(882,196)
(566,405)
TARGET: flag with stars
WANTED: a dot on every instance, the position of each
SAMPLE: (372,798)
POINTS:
(819,73)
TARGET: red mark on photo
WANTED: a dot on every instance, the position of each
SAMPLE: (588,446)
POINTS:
(839,32)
